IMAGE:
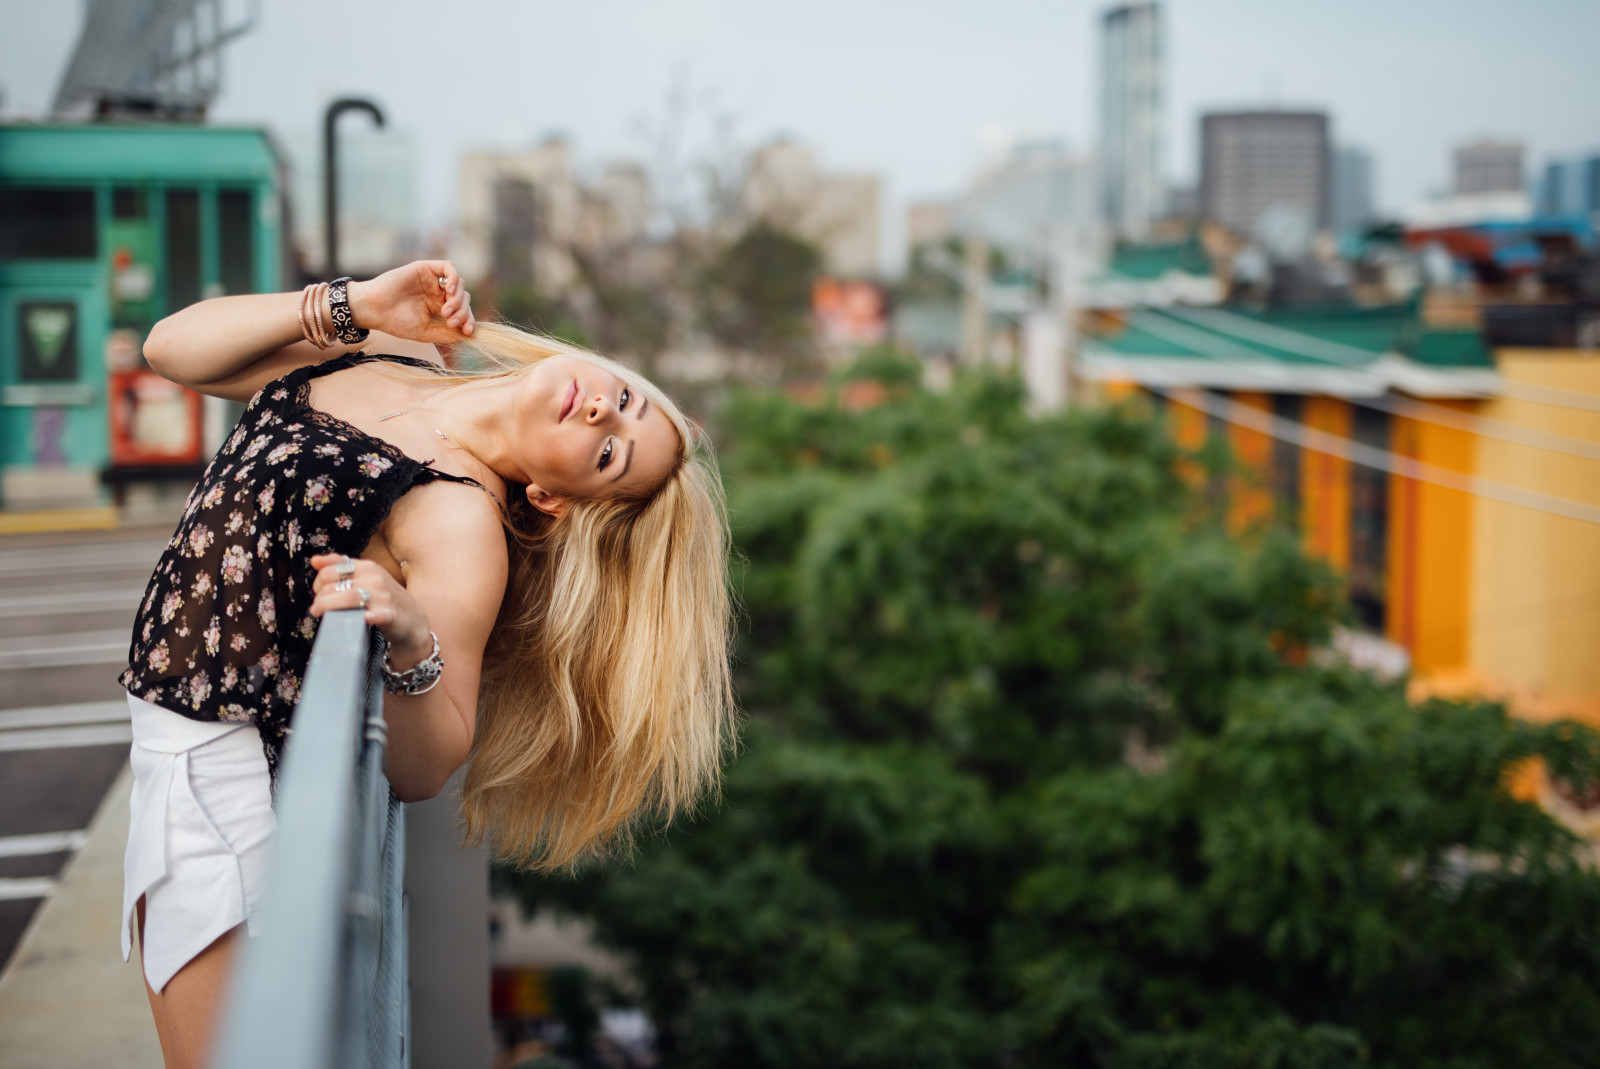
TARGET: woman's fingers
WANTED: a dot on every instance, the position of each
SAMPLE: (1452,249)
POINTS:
(363,575)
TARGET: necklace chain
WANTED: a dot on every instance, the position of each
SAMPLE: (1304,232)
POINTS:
(450,441)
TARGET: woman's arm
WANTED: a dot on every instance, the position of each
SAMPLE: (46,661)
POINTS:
(455,576)
(231,346)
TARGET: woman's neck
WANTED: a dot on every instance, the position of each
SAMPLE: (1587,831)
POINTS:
(477,418)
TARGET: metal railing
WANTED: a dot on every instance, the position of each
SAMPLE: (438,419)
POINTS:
(325,984)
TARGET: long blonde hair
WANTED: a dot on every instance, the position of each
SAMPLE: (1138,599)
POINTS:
(606,697)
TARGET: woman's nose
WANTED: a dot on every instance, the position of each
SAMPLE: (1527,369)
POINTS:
(599,408)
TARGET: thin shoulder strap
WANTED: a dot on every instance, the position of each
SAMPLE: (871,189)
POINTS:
(465,480)
(361,356)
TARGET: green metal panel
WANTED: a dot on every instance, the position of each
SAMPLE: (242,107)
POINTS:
(85,438)
(180,154)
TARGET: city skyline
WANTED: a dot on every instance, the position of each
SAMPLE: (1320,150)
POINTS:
(860,84)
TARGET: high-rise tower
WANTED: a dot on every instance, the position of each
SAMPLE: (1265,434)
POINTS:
(1132,186)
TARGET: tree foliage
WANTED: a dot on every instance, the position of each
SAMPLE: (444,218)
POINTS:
(1037,774)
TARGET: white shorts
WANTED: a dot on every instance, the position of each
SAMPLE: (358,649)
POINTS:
(200,831)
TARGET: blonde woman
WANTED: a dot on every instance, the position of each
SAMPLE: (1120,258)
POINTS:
(541,542)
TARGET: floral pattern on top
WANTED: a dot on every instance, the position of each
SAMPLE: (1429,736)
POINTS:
(224,631)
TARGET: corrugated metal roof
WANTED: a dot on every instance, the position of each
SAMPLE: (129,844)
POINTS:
(1348,352)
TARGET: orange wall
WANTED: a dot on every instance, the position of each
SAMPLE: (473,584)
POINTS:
(1535,631)
(1325,485)
(1250,493)
(1187,423)
(1431,545)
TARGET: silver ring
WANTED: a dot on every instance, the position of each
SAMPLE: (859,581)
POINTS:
(345,568)
(366,598)
(343,585)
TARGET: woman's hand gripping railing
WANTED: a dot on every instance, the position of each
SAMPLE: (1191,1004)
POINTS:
(325,984)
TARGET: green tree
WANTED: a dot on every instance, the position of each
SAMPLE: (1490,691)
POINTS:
(754,294)
(1036,774)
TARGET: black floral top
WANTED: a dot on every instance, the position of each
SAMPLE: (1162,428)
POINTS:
(224,631)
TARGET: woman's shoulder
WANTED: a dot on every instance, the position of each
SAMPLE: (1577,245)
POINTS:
(450,516)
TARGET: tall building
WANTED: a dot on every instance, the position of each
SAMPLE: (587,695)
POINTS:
(1488,167)
(1132,185)
(1266,174)
(524,215)
(1352,203)
(1571,186)
(839,213)
(1025,202)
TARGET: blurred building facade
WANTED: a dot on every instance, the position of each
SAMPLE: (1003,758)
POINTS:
(105,229)
(839,213)
(1132,98)
(378,208)
(526,218)
(1266,174)
(1455,486)
(1571,186)
(1351,205)
(1487,167)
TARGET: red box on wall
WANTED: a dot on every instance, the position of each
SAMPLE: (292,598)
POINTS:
(153,420)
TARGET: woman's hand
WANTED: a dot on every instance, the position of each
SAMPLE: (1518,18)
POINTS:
(423,301)
(389,607)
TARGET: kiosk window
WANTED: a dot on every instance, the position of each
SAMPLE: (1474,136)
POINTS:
(237,250)
(48,342)
(47,224)
(129,202)
(183,248)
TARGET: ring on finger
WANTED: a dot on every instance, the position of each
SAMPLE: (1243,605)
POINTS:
(343,585)
(345,568)
(366,598)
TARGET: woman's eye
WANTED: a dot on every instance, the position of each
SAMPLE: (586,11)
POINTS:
(622,404)
(605,455)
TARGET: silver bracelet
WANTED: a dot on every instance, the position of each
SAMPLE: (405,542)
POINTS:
(418,679)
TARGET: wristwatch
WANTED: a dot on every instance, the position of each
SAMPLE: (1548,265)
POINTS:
(344,324)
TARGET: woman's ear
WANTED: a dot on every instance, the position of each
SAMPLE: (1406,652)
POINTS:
(547,503)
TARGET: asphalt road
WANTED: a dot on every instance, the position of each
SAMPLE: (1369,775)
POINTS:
(66,613)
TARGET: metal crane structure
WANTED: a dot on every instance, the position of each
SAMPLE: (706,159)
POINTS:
(157,59)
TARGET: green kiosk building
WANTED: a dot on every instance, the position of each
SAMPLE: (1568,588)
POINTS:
(105,229)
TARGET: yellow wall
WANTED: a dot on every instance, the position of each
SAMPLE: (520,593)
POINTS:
(1325,485)
(1430,545)
(1535,624)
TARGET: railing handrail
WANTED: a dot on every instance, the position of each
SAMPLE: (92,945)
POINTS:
(290,987)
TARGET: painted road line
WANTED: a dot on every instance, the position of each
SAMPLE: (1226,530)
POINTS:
(55,603)
(26,887)
(66,738)
(61,560)
(48,842)
(55,716)
(60,651)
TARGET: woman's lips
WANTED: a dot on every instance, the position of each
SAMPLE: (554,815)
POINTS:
(569,405)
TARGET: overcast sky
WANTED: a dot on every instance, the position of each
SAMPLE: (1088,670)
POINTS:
(916,90)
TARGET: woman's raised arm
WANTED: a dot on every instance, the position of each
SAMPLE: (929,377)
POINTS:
(231,346)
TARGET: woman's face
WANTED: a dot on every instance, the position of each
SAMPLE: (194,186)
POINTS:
(589,435)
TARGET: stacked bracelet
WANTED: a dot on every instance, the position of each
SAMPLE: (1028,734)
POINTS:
(311,316)
(342,324)
(418,679)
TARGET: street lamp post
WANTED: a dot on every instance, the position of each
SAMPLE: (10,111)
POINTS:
(330,172)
